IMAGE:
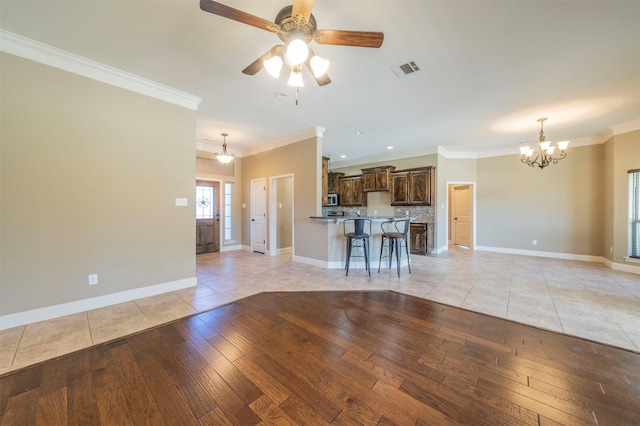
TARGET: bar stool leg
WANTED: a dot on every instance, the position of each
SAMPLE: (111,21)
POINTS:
(406,247)
(348,256)
(381,249)
(366,255)
(398,254)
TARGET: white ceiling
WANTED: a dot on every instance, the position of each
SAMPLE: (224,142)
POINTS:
(490,69)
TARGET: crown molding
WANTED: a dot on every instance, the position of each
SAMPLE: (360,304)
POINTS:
(312,132)
(629,126)
(48,55)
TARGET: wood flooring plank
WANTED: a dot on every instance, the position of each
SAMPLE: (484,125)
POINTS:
(140,402)
(275,390)
(270,413)
(233,407)
(22,408)
(52,407)
(112,405)
(306,392)
(185,379)
(301,413)
(173,407)
(215,418)
(80,389)
(88,415)
(242,386)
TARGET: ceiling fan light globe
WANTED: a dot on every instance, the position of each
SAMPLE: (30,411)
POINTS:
(273,66)
(319,66)
(295,79)
(297,52)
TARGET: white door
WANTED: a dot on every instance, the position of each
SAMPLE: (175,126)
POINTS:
(462,214)
(258,214)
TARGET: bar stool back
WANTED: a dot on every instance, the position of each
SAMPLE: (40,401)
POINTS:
(395,233)
(357,231)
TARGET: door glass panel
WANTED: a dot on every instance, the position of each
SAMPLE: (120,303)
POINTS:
(204,202)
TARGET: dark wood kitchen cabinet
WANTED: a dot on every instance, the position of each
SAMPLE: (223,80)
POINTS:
(421,235)
(334,182)
(376,179)
(351,193)
(413,187)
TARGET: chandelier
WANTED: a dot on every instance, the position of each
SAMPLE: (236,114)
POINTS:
(224,157)
(543,155)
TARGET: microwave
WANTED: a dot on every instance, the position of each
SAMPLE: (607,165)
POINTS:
(332,200)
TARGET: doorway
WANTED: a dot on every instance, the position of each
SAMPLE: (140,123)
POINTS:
(461,217)
(207,216)
(281,228)
(258,214)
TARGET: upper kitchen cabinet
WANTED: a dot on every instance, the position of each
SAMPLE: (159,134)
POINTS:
(376,178)
(413,187)
(351,193)
(334,182)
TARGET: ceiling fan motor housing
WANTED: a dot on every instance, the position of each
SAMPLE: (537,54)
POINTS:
(292,28)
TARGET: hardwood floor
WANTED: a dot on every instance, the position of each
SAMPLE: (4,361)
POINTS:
(312,358)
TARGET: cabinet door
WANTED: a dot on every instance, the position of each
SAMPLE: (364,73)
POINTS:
(368,181)
(400,189)
(381,180)
(420,188)
(346,191)
(418,239)
(358,197)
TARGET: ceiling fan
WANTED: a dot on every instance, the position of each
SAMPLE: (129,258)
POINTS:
(296,27)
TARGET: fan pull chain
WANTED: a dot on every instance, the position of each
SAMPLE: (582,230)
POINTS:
(297,91)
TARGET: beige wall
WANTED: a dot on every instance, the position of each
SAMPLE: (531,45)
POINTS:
(89,176)
(561,206)
(284,212)
(303,160)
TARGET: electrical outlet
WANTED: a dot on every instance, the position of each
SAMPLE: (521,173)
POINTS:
(93,279)
(534,242)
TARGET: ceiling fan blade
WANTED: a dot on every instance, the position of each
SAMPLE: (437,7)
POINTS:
(324,78)
(302,7)
(258,64)
(235,14)
(349,38)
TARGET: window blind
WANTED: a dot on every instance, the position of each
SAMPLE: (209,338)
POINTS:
(634,213)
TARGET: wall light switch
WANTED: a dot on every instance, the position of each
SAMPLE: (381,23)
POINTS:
(181,202)
(93,279)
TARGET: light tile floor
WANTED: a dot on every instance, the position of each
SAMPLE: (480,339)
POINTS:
(582,299)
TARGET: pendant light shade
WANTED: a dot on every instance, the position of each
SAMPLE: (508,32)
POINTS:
(224,157)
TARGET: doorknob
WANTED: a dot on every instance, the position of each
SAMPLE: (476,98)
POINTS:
(253,220)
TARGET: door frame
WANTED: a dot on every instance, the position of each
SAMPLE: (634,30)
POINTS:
(449,209)
(273,219)
(220,200)
(251,214)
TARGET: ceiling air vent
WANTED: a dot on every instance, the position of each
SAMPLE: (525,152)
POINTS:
(406,69)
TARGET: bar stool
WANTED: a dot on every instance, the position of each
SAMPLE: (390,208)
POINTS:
(395,232)
(357,231)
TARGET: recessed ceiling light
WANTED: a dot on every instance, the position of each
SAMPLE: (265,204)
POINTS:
(281,95)
(343,156)
(389,147)
(359,132)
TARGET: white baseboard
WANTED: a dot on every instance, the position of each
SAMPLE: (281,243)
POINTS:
(231,247)
(55,311)
(284,250)
(550,254)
